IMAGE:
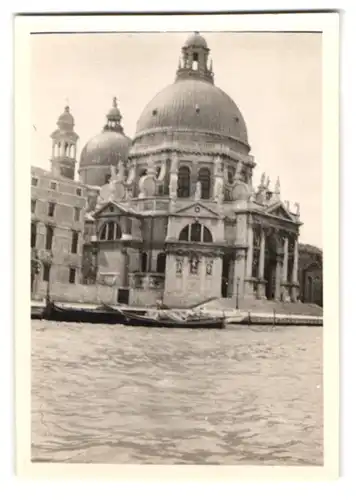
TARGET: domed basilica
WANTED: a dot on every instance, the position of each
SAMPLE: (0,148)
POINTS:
(173,215)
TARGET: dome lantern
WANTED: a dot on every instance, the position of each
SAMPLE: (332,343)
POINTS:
(195,54)
(114,118)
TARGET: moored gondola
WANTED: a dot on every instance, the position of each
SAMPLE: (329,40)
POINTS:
(133,319)
(101,314)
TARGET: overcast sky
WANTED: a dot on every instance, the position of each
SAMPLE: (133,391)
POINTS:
(274,78)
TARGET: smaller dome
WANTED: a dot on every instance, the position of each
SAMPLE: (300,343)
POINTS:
(66,120)
(107,148)
(196,40)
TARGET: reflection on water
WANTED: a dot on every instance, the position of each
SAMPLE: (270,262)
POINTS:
(115,394)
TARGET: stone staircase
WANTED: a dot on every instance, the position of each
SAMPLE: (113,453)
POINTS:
(266,306)
(220,304)
(271,306)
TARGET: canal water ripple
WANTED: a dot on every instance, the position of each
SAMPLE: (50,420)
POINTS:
(124,395)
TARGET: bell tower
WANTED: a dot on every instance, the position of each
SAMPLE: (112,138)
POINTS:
(64,146)
(194,61)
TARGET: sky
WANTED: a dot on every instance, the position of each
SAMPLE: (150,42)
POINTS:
(274,78)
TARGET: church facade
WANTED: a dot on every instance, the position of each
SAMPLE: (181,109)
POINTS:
(173,214)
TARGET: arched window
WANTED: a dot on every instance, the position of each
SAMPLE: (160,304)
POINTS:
(197,233)
(161,263)
(110,231)
(183,182)
(205,180)
(184,234)
(66,149)
(207,236)
(230,174)
(144,262)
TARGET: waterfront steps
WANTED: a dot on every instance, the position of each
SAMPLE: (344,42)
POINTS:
(264,306)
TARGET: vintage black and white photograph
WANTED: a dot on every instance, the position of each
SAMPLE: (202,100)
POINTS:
(177,247)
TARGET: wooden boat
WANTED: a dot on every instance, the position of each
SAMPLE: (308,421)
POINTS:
(37,312)
(133,319)
(53,312)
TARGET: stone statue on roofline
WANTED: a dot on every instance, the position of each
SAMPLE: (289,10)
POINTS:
(268,182)
(297,209)
(262,181)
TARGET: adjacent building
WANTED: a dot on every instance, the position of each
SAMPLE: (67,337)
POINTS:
(57,213)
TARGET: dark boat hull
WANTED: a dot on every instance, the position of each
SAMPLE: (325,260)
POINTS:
(98,316)
(136,320)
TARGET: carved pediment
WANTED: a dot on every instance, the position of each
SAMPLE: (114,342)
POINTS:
(279,210)
(110,209)
(197,209)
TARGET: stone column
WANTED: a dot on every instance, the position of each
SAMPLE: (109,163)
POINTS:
(261,287)
(239,275)
(249,261)
(285,294)
(295,284)
(277,289)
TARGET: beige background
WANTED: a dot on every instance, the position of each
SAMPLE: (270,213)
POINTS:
(328,24)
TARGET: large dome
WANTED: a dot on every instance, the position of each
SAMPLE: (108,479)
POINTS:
(107,148)
(193,104)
